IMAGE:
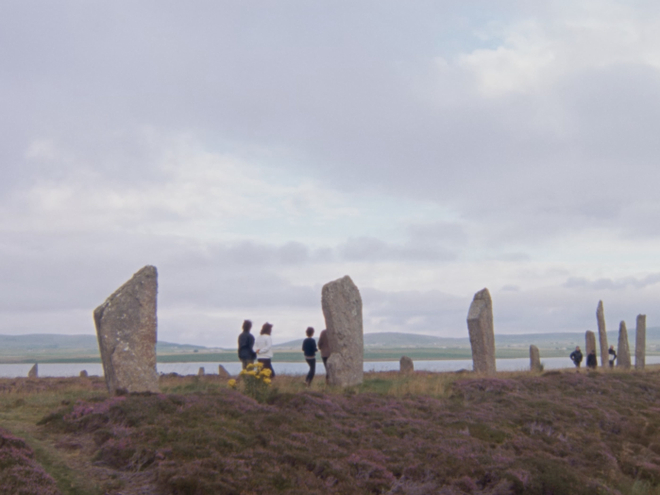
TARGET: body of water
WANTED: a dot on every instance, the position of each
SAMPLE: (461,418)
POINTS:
(73,369)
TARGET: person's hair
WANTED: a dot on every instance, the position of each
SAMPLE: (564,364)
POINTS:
(247,325)
(266,328)
(309,331)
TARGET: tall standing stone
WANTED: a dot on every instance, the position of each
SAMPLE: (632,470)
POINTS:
(34,371)
(126,328)
(534,359)
(482,335)
(342,309)
(406,365)
(590,338)
(602,335)
(623,349)
(640,343)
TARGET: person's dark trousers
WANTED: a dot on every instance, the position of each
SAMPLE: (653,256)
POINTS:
(312,370)
(246,362)
(325,363)
(267,365)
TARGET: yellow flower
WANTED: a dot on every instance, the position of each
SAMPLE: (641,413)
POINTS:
(267,381)
(250,366)
(253,373)
(266,372)
(232,383)
(260,365)
(243,372)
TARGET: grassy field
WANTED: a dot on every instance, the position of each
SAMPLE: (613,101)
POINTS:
(552,433)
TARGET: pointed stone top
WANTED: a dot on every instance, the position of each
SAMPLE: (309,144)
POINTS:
(345,280)
(483,294)
(599,309)
(622,325)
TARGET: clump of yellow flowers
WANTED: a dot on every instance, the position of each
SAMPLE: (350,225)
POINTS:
(256,381)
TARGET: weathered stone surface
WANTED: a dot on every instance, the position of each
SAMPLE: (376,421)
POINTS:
(126,327)
(534,359)
(482,335)
(34,371)
(602,335)
(83,374)
(406,365)
(342,309)
(623,350)
(590,338)
(222,372)
(640,342)
(201,371)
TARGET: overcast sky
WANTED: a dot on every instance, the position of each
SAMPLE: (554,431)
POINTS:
(253,151)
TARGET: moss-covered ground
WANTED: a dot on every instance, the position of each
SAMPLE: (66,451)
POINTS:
(424,433)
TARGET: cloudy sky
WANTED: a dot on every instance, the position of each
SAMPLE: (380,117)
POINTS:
(255,150)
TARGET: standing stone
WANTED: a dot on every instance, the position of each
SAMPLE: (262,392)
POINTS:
(602,335)
(482,336)
(222,372)
(640,343)
(406,365)
(534,359)
(623,350)
(126,328)
(83,374)
(342,310)
(590,344)
(34,371)
(201,371)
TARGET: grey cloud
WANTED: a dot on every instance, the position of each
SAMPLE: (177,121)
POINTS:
(339,86)
(431,312)
(445,232)
(612,284)
(368,249)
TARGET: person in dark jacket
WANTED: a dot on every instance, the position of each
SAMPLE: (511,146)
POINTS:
(310,350)
(576,357)
(612,354)
(592,362)
(246,345)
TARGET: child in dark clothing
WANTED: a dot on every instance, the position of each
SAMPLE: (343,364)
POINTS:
(310,350)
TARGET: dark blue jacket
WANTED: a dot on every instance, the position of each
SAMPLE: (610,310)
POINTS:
(245,346)
(309,347)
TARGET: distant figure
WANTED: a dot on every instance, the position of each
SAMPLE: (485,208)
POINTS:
(264,348)
(324,347)
(245,345)
(576,357)
(612,354)
(592,362)
(310,350)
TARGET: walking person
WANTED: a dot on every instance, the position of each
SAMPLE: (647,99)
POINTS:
(576,357)
(264,348)
(592,362)
(612,354)
(246,344)
(324,347)
(309,349)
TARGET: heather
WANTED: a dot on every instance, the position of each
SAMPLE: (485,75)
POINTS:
(20,474)
(552,433)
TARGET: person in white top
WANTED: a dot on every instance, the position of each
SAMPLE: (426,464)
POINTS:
(264,348)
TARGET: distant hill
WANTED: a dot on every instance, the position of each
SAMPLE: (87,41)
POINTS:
(542,340)
(55,344)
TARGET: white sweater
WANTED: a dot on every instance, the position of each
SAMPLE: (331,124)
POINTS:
(264,347)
